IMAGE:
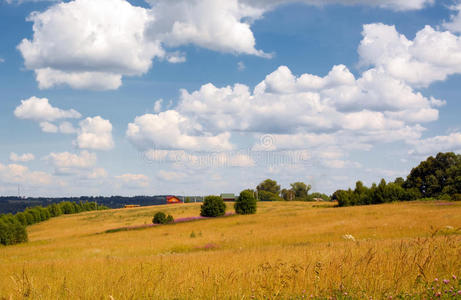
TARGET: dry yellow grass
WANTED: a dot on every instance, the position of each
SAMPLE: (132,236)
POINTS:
(287,251)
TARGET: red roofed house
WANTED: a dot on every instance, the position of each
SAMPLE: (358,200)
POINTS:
(172,200)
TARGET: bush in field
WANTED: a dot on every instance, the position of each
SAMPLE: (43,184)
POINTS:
(246,203)
(162,218)
(11,230)
(159,218)
(213,206)
(169,219)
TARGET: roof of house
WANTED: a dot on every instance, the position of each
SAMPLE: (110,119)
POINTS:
(226,196)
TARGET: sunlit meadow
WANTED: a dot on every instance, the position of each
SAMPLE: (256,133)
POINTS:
(288,250)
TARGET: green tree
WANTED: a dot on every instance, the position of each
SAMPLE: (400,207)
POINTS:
(246,203)
(436,175)
(213,206)
(288,195)
(268,196)
(301,190)
(21,217)
(270,186)
(54,210)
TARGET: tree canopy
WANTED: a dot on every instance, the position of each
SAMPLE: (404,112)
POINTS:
(245,203)
(437,176)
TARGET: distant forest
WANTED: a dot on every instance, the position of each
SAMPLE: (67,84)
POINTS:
(16,204)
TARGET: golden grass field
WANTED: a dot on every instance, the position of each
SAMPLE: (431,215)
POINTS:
(288,250)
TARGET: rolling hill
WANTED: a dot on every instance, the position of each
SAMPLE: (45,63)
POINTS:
(288,250)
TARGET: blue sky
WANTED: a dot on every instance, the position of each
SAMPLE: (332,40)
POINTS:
(118,97)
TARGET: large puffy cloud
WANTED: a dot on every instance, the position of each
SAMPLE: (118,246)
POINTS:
(171,130)
(297,112)
(431,56)
(291,112)
(40,110)
(286,104)
(84,44)
(213,24)
(95,134)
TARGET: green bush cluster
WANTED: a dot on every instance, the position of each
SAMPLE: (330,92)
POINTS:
(162,218)
(11,230)
(13,227)
(435,178)
(245,203)
(269,190)
(213,206)
(376,194)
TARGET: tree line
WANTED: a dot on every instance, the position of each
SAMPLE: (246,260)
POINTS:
(14,204)
(269,190)
(13,227)
(437,177)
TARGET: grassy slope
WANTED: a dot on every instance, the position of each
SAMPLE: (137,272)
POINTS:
(286,250)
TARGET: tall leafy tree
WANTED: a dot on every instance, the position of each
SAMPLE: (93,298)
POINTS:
(437,175)
(270,186)
(301,190)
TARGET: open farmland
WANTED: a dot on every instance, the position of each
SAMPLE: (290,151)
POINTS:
(288,250)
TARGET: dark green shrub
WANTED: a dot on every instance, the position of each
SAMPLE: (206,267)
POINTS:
(159,218)
(246,203)
(11,231)
(21,218)
(54,210)
(29,217)
(162,218)
(213,206)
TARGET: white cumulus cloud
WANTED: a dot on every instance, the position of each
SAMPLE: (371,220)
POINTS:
(307,111)
(40,110)
(84,44)
(171,130)
(95,134)
(220,25)
(431,56)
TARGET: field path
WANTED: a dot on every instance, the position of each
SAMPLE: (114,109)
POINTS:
(178,220)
